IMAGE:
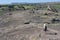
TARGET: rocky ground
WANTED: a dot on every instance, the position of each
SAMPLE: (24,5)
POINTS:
(26,25)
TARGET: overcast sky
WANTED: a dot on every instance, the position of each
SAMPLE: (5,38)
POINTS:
(28,1)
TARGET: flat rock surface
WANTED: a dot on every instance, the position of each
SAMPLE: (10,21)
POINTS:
(12,27)
(28,32)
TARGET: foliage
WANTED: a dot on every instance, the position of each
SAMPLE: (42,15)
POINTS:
(56,6)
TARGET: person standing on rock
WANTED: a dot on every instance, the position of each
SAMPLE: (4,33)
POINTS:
(45,27)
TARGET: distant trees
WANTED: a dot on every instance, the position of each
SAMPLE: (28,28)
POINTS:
(10,7)
(13,7)
(0,6)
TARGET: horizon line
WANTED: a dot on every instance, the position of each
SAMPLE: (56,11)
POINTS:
(30,2)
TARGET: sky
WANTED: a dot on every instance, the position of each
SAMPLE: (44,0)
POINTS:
(26,1)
